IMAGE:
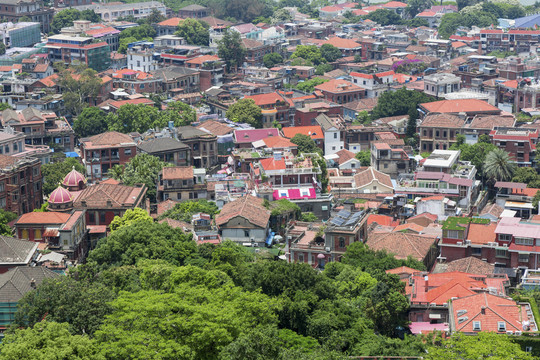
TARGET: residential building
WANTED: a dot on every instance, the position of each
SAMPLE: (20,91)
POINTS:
(314,132)
(101,152)
(181,183)
(62,232)
(275,108)
(135,82)
(100,32)
(305,113)
(463,237)
(194,11)
(442,174)
(140,57)
(340,91)
(371,181)
(104,201)
(112,12)
(245,221)
(255,51)
(244,139)
(392,159)
(68,49)
(421,247)
(491,313)
(347,47)
(374,84)
(307,245)
(333,134)
(16,283)
(210,68)
(13,143)
(520,143)
(178,79)
(167,149)
(346,160)
(15,252)
(203,146)
(439,131)
(36,10)
(483,125)
(39,128)
(21,186)
(470,107)
(441,83)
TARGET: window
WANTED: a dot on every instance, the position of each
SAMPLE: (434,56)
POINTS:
(300,257)
(127,152)
(335,135)
(501,326)
(476,326)
(523,257)
(501,253)
(525,241)
(91,217)
(102,217)
(37,234)
(505,237)
(341,242)
(453,234)
(476,251)
(246,233)
(24,234)
(386,166)
(2,202)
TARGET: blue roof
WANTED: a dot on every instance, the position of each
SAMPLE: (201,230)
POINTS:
(527,21)
(71,154)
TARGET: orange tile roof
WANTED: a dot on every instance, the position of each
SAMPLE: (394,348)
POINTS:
(457,106)
(341,43)
(177,172)
(279,142)
(402,270)
(271,164)
(266,99)
(314,132)
(338,86)
(383,220)
(140,101)
(249,207)
(394,4)
(344,156)
(482,233)
(202,59)
(402,245)
(171,22)
(48,217)
(409,226)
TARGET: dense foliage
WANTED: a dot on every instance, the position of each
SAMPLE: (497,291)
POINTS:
(54,173)
(245,111)
(186,209)
(400,102)
(195,32)
(306,144)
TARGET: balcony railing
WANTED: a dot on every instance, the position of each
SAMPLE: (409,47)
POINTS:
(294,171)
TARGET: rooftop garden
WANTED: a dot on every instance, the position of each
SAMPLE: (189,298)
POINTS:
(458,223)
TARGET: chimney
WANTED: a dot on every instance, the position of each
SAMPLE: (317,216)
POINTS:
(33,283)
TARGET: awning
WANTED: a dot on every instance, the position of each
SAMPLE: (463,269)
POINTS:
(71,154)
(510,185)
(518,204)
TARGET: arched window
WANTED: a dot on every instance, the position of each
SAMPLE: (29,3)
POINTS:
(341,242)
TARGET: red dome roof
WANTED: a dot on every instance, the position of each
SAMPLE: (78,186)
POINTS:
(60,196)
(73,179)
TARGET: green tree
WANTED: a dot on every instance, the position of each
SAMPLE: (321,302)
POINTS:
(140,32)
(64,18)
(306,144)
(281,16)
(181,114)
(272,59)
(134,118)
(476,154)
(526,175)
(5,218)
(323,68)
(308,217)
(535,200)
(195,32)
(364,157)
(484,138)
(384,17)
(245,111)
(154,17)
(139,241)
(48,340)
(78,87)
(483,346)
(142,169)
(91,121)
(309,85)
(25,19)
(2,48)
(310,53)
(415,7)
(64,300)
(330,53)
(498,165)
(191,322)
(452,21)
(411,123)
(54,173)
(130,216)
(231,50)
(186,209)
(400,102)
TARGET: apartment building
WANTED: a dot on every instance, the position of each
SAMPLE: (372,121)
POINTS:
(520,143)
(181,183)
(21,185)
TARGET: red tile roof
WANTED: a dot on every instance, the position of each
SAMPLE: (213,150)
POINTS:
(139,101)
(271,164)
(382,220)
(48,217)
(344,156)
(461,105)
(171,22)
(110,196)
(252,135)
(266,99)
(177,173)
(369,175)
(279,142)
(482,234)
(402,270)
(402,245)
(202,59)
(341,43)
(471,265)
(338,86)
(394,4)
(106,139)
(249,207)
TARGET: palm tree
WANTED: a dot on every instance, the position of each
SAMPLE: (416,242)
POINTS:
(498,165)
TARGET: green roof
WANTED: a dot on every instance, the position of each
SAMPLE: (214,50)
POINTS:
(458,223)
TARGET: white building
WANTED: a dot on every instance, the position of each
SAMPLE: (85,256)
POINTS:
(333,137)
(141,59)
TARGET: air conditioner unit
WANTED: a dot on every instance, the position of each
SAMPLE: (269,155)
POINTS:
(509,332)
(517,333)
(505,245)
(460,242)
(467,242)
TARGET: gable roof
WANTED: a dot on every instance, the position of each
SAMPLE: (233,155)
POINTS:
(369,175)
(215,128)
(344,156)
(177,172)
(161,144)
(402,245)
(109,138)
(492,209)
(272,164)
(252,135)
(279,143)
(249,207)
(471,265)
(459,105)
(15,283)
(443,120)
(341,43)
(119,196)
(266,99)
(338,86)
(15,251)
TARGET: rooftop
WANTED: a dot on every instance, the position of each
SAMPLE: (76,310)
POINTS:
(459,223)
